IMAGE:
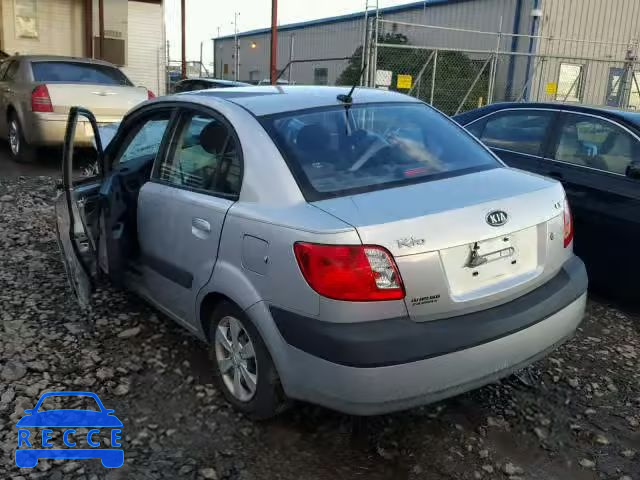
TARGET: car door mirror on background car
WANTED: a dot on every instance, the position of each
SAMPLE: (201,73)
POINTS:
(633,170)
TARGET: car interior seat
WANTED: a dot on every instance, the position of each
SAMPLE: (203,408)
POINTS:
(216,141)
(616,153)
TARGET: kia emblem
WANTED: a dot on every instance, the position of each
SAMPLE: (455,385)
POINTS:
(497,218)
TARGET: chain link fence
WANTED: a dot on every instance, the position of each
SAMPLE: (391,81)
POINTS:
(458,69)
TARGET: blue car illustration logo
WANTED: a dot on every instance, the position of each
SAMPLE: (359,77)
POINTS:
(31,447)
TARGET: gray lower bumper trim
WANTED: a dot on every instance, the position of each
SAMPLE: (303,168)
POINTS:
(401,340)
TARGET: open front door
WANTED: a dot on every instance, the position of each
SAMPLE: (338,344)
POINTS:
(77,206)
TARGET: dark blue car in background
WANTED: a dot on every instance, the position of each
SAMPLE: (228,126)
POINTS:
(595,153)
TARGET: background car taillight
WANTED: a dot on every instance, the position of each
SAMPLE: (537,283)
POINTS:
(40,100)
(355,273)
(150,95)
(568,224)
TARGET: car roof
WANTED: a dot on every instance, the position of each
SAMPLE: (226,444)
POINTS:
(270,100)
(59,58)
(607,112)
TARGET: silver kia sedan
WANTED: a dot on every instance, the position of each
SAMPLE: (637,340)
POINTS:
(358,251)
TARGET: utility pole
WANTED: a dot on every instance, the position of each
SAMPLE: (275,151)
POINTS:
(236,46)
(201,59)
(184,40)
(274,41)
(101,27)
(292,40)
(214,57)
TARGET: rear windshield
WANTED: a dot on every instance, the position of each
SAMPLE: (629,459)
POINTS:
(72,72)
(339,151)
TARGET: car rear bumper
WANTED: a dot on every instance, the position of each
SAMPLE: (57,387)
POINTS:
(48,129)
(389,365)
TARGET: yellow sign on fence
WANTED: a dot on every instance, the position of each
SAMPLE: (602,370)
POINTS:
(552,88)
(405,82)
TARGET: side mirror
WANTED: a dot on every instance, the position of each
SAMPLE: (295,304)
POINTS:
(633,170)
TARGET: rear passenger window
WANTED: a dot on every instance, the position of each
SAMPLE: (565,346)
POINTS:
(146,140)
(522,132)
(203,156)
(596,143)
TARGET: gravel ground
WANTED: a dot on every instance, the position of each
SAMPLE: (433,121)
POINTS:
(575,415)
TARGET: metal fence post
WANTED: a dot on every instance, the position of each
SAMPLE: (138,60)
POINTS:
(374,70)
(473,85)
(418,83)
(433,76)
(537,99)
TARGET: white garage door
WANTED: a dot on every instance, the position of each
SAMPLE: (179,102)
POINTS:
(146,50)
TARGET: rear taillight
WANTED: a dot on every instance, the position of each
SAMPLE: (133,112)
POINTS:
(150,95)
(40,100)
(568,224)
(355,273)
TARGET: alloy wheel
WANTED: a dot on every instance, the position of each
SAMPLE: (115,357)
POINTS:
(14,138)
(236,358)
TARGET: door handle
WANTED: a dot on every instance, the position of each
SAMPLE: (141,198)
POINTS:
(200,227)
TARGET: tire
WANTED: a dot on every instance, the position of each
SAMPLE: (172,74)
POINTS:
(233,370)
(19,149)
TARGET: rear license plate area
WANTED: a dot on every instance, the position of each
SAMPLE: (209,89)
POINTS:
(481,267)
(491,258)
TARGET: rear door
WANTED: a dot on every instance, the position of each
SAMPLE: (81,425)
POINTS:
(77,209)
(182,209)
(517,136)
(590,157)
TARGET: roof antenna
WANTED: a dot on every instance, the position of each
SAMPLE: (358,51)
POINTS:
(348,98)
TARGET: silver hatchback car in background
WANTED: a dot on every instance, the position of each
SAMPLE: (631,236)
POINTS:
(37,91)
(359,252)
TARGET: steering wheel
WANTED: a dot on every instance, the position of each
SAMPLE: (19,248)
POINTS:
(379,143)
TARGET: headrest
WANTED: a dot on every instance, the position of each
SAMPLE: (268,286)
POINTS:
(313,137)
(213,137)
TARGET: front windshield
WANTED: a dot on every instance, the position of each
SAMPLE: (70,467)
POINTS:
(340,151)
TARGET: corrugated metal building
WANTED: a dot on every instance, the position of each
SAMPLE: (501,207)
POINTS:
(339,36)
(570,50)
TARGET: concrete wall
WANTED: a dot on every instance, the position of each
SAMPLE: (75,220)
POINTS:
(61,32)
(60,29)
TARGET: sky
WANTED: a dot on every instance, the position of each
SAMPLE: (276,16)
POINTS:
(205,16)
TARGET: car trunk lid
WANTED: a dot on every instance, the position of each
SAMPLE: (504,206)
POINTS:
(452,251)
(103,100)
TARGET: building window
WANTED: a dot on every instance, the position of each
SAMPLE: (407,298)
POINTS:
(26,18)
(570,81)
(321,76)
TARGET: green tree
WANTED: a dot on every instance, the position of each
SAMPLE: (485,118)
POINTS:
(455,73)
